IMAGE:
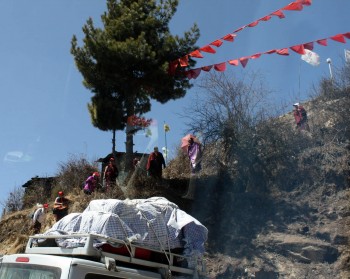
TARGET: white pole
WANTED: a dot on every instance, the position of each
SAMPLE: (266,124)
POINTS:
(329,61)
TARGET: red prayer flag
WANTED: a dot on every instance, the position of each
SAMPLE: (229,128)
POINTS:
(305,2)
(183,61)
(239,29)
(322,42)
(278,13)
(309,46)
(217,43)
(229,37)
(220,67)
(207,49)
(196,54)
(234,62)
(347,35)
(339,38)
(265,18)
(207,68)
(282,51)
(298,49)
(255,23)
(195,72)
(294,6)
(270,51)
(256,55)
(188,74)
(244,61)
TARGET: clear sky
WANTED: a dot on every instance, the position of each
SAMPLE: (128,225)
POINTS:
(44,117)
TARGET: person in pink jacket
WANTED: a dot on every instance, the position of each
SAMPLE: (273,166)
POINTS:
(90,183)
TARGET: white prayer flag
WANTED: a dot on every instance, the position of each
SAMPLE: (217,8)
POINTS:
(347,55)
(311,57)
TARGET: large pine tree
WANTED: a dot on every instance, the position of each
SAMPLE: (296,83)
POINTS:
(125,64)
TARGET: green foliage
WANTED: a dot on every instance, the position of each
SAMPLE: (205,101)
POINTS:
(124,63)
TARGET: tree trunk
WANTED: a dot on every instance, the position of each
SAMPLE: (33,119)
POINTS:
(129,144)
(113,143)
(129,149)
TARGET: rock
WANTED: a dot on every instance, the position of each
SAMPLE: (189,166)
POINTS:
(319,254)
(340,240)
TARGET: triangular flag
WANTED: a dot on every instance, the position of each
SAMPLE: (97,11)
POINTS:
(255,23)
(311,57)
(234,62)
(270,51)
(195,72)
(239,29)
(309,46)
(196,54)
(298,49)
(207,68)
(256,55)
(229,37)
(217,43)
(322,42)
(183,61)
(220,67)
(339,38)
(278,13)
(294,6)
(282,51)
(208,49)
(305,2)
(265,18)
(244,61)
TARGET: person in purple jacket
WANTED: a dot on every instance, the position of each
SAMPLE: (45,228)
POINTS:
(90,183)
(194,154)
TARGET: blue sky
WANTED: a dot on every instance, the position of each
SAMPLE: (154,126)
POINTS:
(44,104)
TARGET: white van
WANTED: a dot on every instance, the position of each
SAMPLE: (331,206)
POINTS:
(87,262)
(34,266)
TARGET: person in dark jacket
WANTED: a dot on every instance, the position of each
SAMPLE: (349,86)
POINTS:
(60,206)
(110,174)
(155,164)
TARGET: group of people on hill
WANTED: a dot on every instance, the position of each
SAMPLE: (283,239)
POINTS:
(110,176)
(156,162)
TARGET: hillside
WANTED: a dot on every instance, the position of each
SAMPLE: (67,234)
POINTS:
(284,215)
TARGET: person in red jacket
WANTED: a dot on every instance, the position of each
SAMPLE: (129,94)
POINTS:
(111,173)
(300,116)
(155,164)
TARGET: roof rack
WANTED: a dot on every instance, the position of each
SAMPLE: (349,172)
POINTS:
(125,252)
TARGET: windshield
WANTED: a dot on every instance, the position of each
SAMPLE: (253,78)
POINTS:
(29,271)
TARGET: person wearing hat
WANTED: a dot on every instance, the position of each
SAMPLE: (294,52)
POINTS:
(60,208)
(39,216)
(300,117)
(110,174)
(90,183)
